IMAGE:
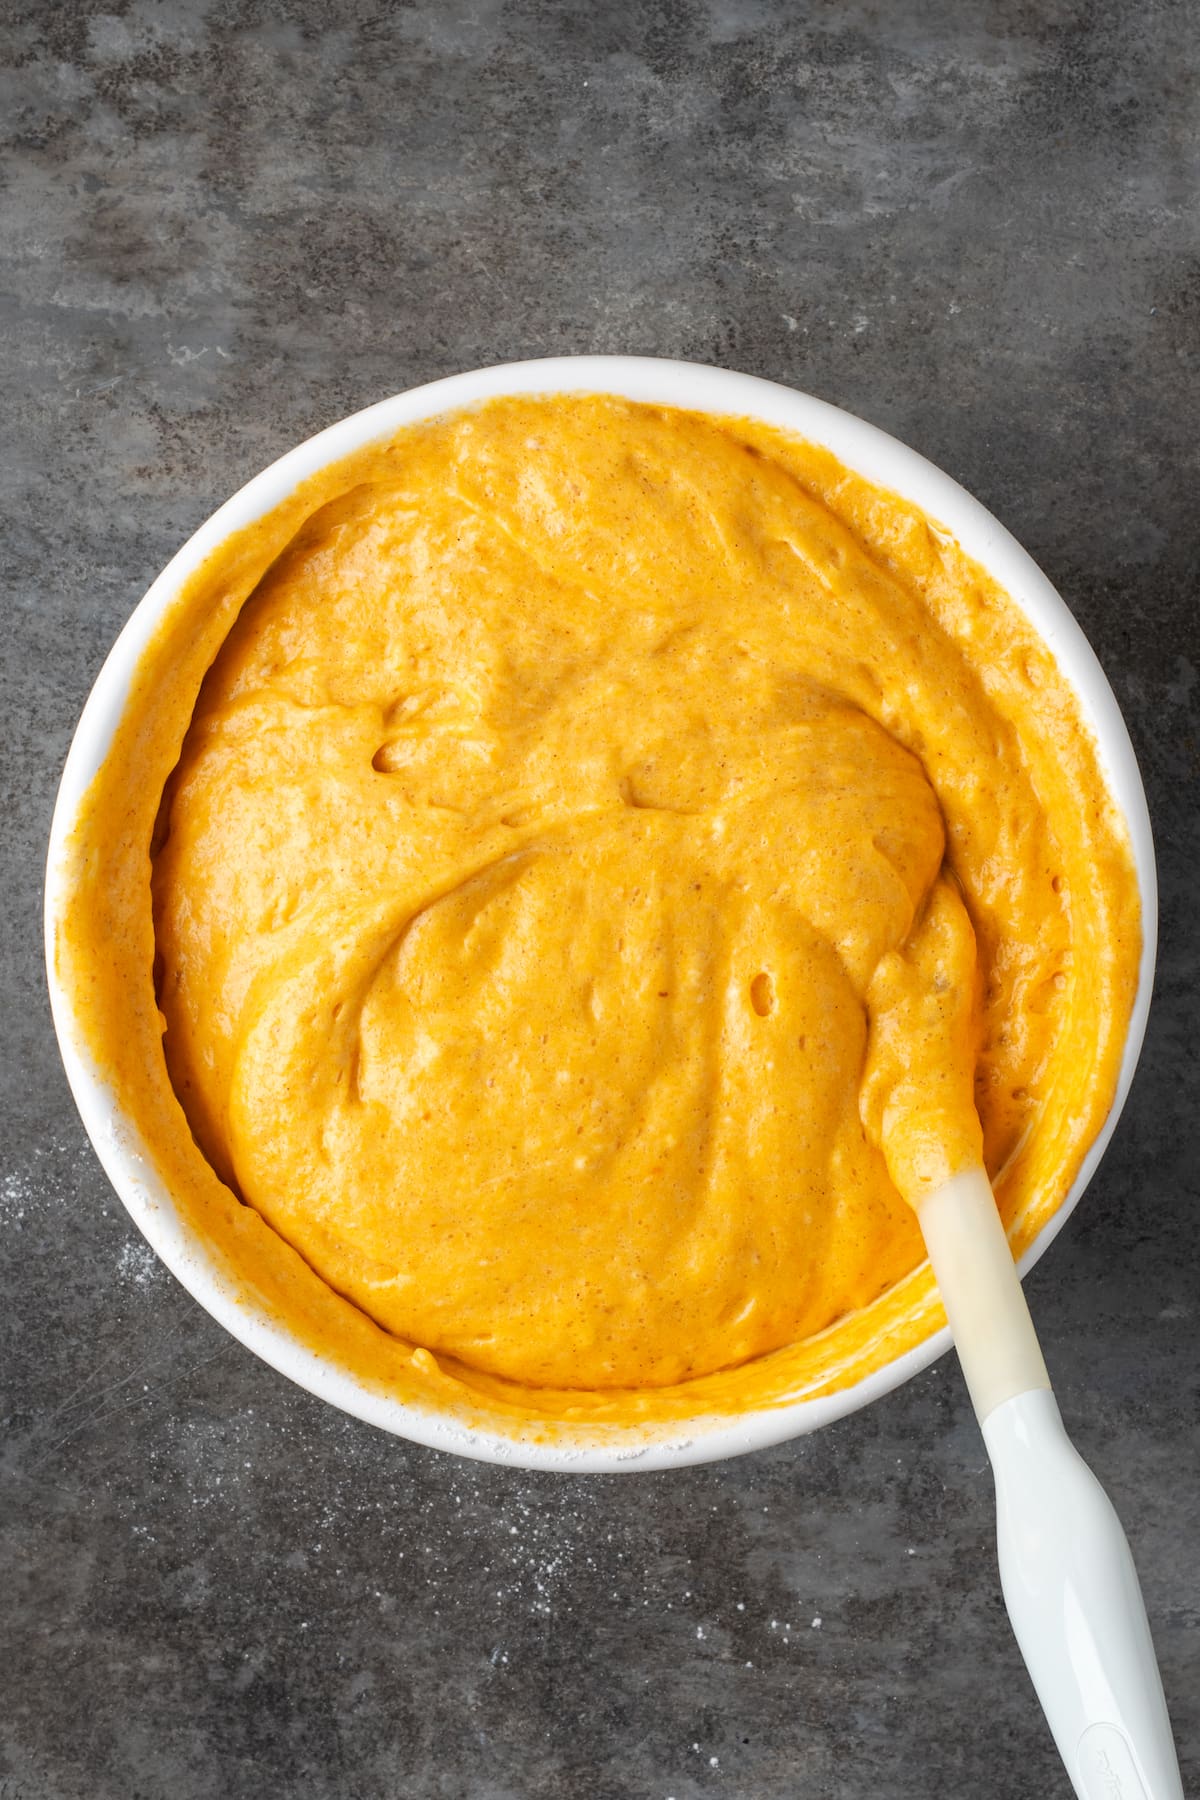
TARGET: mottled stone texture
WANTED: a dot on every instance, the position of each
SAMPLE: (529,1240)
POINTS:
(227,224)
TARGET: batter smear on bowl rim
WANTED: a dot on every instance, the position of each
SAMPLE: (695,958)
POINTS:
(550,812)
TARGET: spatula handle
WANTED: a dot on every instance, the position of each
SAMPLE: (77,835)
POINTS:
(1068,1577)
(981,1291)
(1076,1608)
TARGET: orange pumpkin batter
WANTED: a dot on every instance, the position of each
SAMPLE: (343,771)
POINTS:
(580,803)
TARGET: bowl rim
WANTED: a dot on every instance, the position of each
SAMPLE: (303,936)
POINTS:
(871,453)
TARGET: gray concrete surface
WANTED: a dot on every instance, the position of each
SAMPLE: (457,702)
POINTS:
(223,226)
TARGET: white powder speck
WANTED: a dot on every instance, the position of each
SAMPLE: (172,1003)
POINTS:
(16,1193)
(816,1624)
(137,1262)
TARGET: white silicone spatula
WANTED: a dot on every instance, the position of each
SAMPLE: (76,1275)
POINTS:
(1068,1577)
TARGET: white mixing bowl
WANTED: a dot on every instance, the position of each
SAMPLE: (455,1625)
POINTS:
(874,455)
